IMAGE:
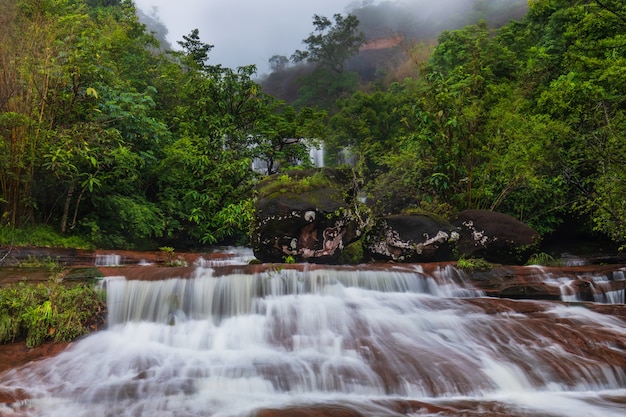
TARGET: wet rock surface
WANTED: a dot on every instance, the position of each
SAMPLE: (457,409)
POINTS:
(530,294)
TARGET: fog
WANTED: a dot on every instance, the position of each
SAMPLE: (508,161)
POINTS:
(246,32)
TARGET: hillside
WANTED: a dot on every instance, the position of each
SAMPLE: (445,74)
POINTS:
(399,37)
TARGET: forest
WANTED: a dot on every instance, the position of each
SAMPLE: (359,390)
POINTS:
(111,139)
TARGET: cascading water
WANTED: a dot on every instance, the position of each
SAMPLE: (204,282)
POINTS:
(108,260)
(600,288)
(373,342)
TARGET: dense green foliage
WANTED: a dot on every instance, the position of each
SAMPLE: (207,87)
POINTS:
(103,136)
(528,119)
(48,311)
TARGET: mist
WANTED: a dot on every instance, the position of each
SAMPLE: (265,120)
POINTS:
(246,32)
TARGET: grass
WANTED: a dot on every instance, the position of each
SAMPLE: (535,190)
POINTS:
(45,262)
(473,264)
(544,259)
(44,236)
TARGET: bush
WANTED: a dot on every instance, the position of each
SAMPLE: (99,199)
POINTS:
(48,311)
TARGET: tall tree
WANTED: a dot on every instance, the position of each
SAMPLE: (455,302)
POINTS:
(331,44)
(328,49)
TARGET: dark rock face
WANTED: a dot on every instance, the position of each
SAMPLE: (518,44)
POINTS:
(306,215)
(412,238)
(312,215)
(494,236)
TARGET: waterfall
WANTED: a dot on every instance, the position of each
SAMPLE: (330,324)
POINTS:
(227,256)
(608,288)
(369,340)
(316,155)
(206,297)
(108,260)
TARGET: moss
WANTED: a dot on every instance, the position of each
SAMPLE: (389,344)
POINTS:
(294,183)
(353,254)
(418,211)
(83,274)
(299,182)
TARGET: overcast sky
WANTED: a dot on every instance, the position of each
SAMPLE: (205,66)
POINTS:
(243,32)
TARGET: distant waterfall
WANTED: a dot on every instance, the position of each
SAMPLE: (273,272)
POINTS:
(316,157)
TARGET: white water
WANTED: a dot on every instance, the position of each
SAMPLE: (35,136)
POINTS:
(602,287)
(227,346)
(108,260)
(227,256)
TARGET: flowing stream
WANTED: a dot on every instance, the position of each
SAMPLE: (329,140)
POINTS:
(374,342)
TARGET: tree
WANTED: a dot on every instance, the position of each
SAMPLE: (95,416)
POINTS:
(221,121)
(283,136)
(33,70)
(278,63)
(370,126)
(330,45)
(196,52)
(586,93)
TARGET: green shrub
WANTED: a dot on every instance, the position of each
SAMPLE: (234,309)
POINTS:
(289,259)
(170,257)
(353,254)
(297,183)
(50,311)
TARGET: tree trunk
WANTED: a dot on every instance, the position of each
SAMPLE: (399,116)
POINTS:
(66,206)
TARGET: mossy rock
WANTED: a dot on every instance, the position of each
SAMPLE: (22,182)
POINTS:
(305,215)
(82,274)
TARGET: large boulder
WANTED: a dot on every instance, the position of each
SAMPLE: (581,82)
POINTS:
(412,238)
(305,216)
(494,236)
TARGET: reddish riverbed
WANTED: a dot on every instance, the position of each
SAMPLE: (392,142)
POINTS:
(216,336)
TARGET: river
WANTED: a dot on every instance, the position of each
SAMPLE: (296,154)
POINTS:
(277,340)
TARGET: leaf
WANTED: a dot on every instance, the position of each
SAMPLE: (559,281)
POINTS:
(92,92)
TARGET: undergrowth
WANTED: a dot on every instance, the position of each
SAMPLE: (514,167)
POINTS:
(40,236)
(50,311)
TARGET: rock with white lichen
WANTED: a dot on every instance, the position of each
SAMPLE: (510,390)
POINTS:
(412,238)
(494,236)
(305,216)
